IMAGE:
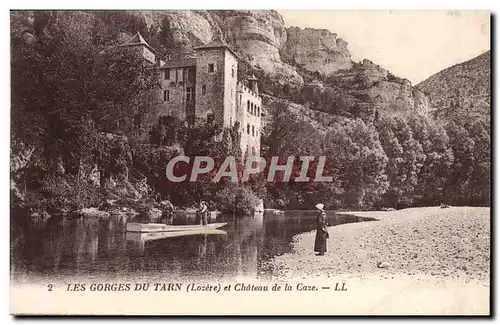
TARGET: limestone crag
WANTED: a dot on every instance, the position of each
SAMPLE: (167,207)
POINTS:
(316,50)
(381,88)
(283,59)
(188,28)
(260,34)
(257,35)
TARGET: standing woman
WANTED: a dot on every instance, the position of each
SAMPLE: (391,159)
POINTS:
(321,231)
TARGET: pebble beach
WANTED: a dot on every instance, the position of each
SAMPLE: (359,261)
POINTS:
(417,252)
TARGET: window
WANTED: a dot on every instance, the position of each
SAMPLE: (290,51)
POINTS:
(251,108)
(211,67)
(188,73)
(258,111)
(248,106)
(232,72)
(231,121)
(176,75)
(166,76)
(253,130)
(189,94)
(166,95)
(248,128)
(203,90)
(241,98)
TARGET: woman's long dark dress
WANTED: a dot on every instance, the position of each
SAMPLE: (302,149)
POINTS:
(321,233)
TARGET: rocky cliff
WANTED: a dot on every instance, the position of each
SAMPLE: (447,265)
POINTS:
(316,50)
(379,87)
(256,35)
(260,34)
(284,59)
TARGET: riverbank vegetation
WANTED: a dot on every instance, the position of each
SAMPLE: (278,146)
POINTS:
(399,160)
(85,131)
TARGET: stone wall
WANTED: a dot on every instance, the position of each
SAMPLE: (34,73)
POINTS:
(249,119)
(230,81)
(176,102)
(212,101)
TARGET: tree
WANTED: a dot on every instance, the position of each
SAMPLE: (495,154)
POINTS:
(68,89)
(439,158)
(355,151)
(406,158)
(458,185)
(288,135)
(480,185)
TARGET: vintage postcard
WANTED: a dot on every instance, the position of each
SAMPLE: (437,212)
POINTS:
(250,162)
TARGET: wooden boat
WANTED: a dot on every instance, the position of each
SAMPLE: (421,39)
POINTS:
(148,236)
(160,227)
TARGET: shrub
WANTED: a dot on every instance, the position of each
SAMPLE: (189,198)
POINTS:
(66,193)
(236,199)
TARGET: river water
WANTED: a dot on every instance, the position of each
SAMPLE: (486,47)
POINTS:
(87,248)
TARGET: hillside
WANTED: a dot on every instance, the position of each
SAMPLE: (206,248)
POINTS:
(74,91)
(463,88)
(285,60)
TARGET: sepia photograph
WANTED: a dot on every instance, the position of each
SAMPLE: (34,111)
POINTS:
(250,162)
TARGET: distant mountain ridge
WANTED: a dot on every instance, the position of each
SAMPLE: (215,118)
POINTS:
(461,88)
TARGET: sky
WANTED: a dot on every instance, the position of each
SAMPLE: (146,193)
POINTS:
(411,44)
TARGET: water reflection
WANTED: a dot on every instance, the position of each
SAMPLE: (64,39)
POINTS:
(86,246)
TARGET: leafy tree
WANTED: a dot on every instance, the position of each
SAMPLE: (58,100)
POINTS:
(237,199)
(288,135)
(68,90)
(435,171)
(458,185)
(406,158)
(355,151)
(480,184)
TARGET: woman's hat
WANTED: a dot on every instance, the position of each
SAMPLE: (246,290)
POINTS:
(320,206)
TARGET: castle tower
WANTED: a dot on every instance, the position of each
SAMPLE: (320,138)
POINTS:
(138,43)
(216,81)
(252,83)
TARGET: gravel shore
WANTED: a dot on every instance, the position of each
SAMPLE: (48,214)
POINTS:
(452,242)
(418,252)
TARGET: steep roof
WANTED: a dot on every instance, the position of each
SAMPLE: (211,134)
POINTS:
(137,39)
(187,62)
(252,77)
(215,44)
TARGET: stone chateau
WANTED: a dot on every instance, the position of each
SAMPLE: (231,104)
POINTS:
(205,86)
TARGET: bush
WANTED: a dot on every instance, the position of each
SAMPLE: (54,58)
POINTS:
(66,193)
(236,199)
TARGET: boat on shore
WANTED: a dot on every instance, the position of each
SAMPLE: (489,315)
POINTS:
(160,227)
